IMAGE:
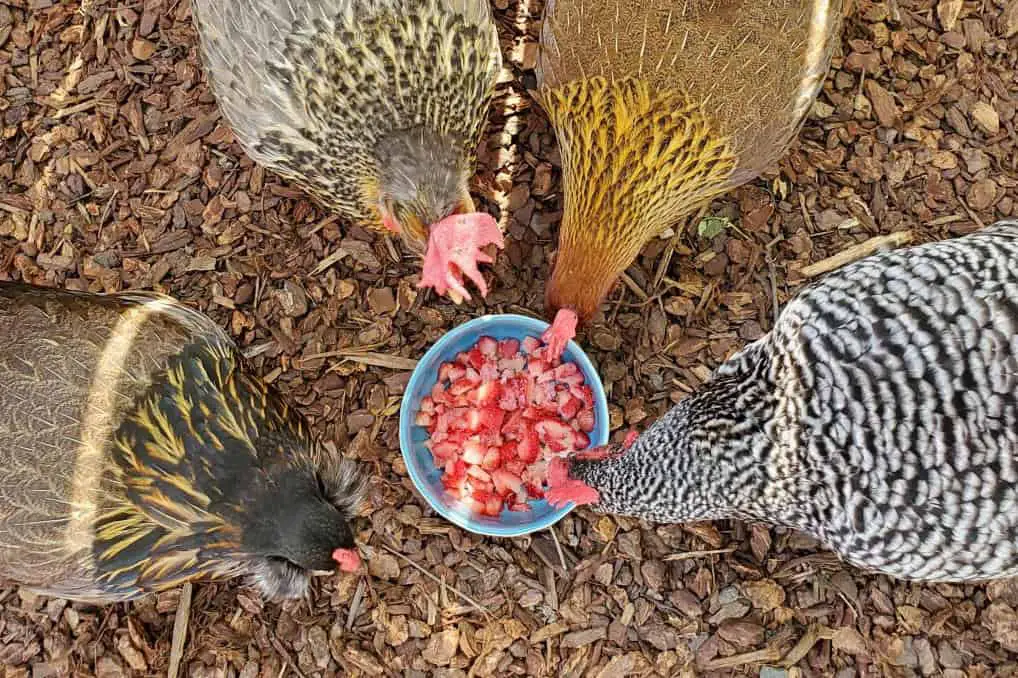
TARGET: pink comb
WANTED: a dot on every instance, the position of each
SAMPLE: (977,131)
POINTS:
(347,559)
(454,250)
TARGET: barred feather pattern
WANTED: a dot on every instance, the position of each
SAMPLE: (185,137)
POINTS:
(880,415)
(312,90)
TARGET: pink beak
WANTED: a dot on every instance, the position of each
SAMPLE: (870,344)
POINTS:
(347,559)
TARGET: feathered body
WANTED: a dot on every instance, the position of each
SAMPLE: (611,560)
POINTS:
(138,452)
(879,415)
(376,107)
(660,106)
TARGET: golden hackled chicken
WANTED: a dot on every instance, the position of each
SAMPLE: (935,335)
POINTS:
(659,106)
(375,107)
(138,452)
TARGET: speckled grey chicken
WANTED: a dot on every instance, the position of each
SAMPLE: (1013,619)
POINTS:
(376,107)
(138,452)
(879,415)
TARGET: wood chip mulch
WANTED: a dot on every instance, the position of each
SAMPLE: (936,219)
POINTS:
(117,171)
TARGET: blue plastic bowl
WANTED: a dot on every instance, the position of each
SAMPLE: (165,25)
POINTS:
(427,477)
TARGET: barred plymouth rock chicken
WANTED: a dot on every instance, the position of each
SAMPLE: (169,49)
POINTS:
(138,452)
(658,107)
(376,107)
(879,415)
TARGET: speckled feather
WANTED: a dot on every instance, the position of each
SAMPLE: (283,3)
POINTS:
(128,426)
(880,415)
(673,103)
(316,90)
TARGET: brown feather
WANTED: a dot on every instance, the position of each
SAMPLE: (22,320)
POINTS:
(659,106)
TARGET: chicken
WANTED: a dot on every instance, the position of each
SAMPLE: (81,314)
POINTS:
(880,415)
(375,107)
(660,106)
(138,453)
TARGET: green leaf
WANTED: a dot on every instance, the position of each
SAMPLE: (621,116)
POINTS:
(712,226)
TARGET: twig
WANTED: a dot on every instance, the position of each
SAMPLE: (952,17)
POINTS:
(558,549)
(180,622)
(355,605)
(699,554)
(764,656)
(438,581)
(855,252)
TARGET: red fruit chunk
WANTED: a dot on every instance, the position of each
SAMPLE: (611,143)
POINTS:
(506,482)
(499,413)
(508,348)
(487,346)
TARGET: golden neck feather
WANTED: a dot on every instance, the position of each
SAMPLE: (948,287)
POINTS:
(634,161)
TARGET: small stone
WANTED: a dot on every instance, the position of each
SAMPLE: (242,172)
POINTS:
(985,117)
(883,103)
(773,672)
(134,658)
(381,300)
(442,647)
(583,638)
(948,12)
(292,299)
(383,566)
(142,49)
(950,658)
(765,595)
(1002,622)
(847,639)
(982,194)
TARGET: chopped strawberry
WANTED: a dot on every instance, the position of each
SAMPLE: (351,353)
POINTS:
(516,467)
(497,416)
(508,348)
(492,459)
(585,420)
(506,482)
(528,448)
(568,406)
(486,419)
(555,434)
(472,452)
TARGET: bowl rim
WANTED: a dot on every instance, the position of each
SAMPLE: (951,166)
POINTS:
(529,324)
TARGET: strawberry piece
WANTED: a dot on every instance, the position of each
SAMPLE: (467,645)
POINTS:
(475,358)
(534,492)
(530,344)
(519,507)
(478,474)
(427,405)
(488,373)
(486,419)
(423,419)
(585,420)
(492,459)
(443,371)
(487,394)
(510,366)
(488,346)
(516,467)
(568,406)
(584,393)
(536,367)
(472,452)
(461,386)
(529,446)
(568,373)
(556,435)
(444,452)
(508,348)
(581,441)
(506,482)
